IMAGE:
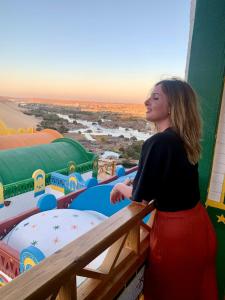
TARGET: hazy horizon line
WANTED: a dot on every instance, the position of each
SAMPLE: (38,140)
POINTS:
(69,100)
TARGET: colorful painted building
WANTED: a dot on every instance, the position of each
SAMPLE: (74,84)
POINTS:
(45,136)
(17,165)
(4,130)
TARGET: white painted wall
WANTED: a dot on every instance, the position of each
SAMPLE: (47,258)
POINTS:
(218,169)
(192,19)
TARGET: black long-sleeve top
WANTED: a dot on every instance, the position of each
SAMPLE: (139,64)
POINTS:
(165,174)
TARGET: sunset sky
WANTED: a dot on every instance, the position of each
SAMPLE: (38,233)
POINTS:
(100,50)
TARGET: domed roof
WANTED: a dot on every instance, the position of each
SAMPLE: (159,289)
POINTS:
(45,136)
(20,163)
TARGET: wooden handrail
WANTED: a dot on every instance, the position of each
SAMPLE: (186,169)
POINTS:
(44,279)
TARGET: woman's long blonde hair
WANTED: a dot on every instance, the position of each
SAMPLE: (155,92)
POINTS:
(185,116)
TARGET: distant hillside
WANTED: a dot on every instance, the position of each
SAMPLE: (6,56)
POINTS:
(13,117)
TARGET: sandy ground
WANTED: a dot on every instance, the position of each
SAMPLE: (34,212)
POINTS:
(13,117)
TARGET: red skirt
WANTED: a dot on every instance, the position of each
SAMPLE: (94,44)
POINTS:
(181,262)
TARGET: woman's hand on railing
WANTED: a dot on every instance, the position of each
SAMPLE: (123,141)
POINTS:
(119,192)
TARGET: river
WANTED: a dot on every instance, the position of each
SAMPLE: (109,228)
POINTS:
(93,129)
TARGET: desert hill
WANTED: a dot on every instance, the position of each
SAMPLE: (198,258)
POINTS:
(13,117)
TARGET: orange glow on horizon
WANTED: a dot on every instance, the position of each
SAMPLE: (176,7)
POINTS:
(110,89)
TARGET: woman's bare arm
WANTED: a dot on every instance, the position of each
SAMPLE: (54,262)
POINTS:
(119,192)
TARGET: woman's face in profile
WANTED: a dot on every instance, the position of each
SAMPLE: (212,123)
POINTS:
(157,106)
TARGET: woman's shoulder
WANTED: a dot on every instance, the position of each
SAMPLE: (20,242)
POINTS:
(164,143)
(167,137)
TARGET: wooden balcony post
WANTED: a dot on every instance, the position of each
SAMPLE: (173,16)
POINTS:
(68,291)
(113,254)
(133,239)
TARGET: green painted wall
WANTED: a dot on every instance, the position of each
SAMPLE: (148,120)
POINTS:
(220,231)
(206,75)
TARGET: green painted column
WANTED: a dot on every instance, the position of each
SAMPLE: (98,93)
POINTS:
(206,73)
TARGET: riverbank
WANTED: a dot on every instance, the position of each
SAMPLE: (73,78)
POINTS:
(98,131)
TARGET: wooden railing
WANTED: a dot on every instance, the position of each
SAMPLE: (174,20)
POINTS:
(106,168)
(124,234)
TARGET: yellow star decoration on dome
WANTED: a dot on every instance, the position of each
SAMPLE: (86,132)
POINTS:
(221,219)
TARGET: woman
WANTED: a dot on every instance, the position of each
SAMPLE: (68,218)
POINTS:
(182,240)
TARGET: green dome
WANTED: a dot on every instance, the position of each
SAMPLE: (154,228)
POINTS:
(20,163)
